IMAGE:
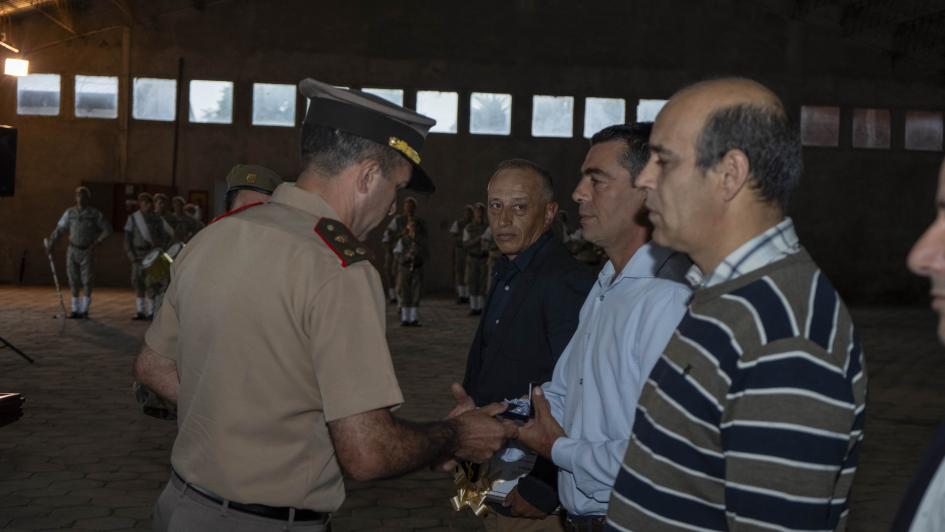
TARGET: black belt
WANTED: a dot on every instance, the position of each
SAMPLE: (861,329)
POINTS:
(280,513)
(584,523)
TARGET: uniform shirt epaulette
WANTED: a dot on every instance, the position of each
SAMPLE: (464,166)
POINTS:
(340,240)
(231,212)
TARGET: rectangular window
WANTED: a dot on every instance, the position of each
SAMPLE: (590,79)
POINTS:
(440,106)
(602,112)
(490,113)
(154,99)
(552,116)
(211,102)
(820,126)
(924,130)
(871,128)
(648,109)
(96,96)
(394,96)
(38,94)
(273,104)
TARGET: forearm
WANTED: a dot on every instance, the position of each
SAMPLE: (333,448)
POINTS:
(376,444)
(158,373)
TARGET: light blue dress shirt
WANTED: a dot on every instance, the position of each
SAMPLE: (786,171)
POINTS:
(625,324)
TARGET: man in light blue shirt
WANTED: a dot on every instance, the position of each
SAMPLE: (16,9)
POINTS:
(585,414)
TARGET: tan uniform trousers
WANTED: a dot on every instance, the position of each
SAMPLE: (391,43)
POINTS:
(181,509)
(476,275)
(502,523)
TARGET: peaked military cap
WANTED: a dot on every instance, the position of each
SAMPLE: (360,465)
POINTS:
(373,118)
(252,177)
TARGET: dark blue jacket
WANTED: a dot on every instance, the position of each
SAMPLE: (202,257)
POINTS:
(534,329)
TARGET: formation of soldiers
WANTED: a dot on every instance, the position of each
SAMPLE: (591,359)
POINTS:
(406,250)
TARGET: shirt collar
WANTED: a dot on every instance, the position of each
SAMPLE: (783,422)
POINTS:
(645,263)
(771,245)
(310,202)
(523,259)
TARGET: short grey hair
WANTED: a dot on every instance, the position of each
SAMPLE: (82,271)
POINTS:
(766,136)
(547,185)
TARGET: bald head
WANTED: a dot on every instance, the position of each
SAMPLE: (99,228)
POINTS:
(740,114)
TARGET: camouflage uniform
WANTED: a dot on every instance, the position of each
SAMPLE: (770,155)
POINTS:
(87,228)
(476,254)
(494,255)
(391,233)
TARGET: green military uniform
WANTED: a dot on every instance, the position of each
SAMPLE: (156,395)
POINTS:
(144,232)
(476,254)
(459,260)
(411,255)
(87,228)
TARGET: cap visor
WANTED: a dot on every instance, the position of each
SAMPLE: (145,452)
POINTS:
(420,181)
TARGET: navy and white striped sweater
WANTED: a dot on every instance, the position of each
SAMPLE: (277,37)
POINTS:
(753,417)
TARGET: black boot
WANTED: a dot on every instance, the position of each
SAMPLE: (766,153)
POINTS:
(140,317)
(74,316)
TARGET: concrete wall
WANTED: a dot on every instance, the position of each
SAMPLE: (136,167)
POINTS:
(857,210)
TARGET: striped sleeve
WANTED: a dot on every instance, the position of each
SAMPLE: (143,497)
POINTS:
(786,437)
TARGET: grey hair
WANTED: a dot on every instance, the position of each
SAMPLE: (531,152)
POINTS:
(766,136)
(547,185)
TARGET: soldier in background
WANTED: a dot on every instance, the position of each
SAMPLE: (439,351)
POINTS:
(459,256)
(476,254)
(185,226)
(247,184)
(494,254)
(144,231)
(394,230)
(412,252)
(87,228)
(193,210)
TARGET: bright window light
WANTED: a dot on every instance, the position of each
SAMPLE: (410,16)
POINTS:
(96,96)
(154,99)
(552,116)
(648,109)
(38,94)
(602,112)
(490,113)
(273,104)
(16,67)
(440,106)
(211,102)
(394,96)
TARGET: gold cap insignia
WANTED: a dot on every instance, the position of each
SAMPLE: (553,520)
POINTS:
(404,148)
(250,178)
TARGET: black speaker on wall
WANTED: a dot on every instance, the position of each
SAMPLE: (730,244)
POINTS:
(7,160)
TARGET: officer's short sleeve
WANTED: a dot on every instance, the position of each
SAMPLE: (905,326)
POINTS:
(349,350)
(162,334)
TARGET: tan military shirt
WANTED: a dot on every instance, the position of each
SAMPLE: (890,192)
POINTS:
(273,337)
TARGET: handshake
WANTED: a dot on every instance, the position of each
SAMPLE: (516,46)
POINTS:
(479,433)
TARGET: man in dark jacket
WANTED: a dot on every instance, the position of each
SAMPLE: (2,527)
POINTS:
(530,315)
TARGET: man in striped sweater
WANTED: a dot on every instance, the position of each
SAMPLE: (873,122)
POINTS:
(753,417)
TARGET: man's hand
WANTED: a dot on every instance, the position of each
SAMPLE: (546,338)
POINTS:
(540,433)
(520,507)
(479,434)
(464,402)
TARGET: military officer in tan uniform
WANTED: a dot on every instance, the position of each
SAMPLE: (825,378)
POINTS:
(294,385)
(87,228)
